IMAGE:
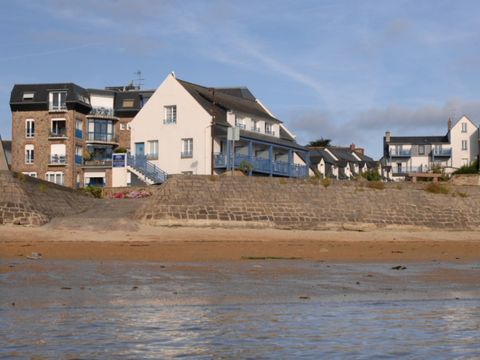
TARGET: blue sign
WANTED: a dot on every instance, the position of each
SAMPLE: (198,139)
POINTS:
(118,160)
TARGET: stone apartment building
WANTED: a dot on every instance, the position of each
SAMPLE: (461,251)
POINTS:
(66,134)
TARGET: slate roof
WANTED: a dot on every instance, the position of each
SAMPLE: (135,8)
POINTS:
(418,140)
(236,99)
(318,154)
(139,98)
(77,97)
(343,153)
(7,152)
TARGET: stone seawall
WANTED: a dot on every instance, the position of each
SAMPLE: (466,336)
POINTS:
(307,204)
(28,201)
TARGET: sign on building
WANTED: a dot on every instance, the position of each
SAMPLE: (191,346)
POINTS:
(118,160)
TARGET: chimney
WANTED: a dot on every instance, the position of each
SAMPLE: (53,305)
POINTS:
(449,124)
(352,147)
(360,151)
(387,136)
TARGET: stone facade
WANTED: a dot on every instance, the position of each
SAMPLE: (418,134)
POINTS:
(28,201)
(306,204)
(122,128)
(42,144)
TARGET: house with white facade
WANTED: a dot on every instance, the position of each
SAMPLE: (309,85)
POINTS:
(184,126)
(404,155)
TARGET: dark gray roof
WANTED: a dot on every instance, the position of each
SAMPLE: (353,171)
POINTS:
(221,130)
(317,155)
(226,99)
(418,140)
(139,97)
(343,154)
(77,97)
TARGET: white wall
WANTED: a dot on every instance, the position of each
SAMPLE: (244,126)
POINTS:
(97,100)
(456,137)
(192,122)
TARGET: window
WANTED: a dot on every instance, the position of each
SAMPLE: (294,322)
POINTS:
(57,154)
(29,128)
(464,145)
(187,148)
(78,128)
(31,174)
(58,100)
(59,128)
(421,149)
(78,154)
(29,154)
(28,95)
(254,126)
(127,103)
(240,122)
(464,127)
(122,127)
(101,130)
(55,177)
(269,129)
(152,149)
(170,114)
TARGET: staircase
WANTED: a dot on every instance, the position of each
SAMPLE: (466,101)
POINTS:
(145,170)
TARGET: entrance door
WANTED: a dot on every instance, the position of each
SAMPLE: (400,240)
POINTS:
(140,149)
(399,168)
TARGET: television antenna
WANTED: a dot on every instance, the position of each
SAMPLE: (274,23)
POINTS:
(139,80)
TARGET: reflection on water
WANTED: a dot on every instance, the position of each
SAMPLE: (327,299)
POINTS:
(253,310)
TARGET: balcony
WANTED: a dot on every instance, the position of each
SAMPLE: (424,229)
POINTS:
(102,138)
(263,165)
(241,126)
(269,132)
(400,153)
(78,134)
(255,129)
(102,111)
(57,160)
(57,108)
(98,163)
(404,170)
(60,133)
(442,152)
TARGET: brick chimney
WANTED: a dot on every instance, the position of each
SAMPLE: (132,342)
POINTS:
(449,124)
(387,136)
(352,147)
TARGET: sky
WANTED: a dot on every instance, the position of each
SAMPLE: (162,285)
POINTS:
(346,70)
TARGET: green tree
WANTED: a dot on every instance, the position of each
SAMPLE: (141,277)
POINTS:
(320,142)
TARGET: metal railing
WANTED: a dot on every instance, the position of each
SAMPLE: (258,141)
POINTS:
(59,133)
(62,107)
(241,126)
(263,165)
(269,132)
(400,153)
(57,159)
(442,152)
(255,129)
(409,169)
(102,137)
(146,168)
(101,111)
(98,162)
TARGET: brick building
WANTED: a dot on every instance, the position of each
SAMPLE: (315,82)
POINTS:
(66,134)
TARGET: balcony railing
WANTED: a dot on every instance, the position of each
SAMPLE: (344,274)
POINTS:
(101,111)
(102,137)
(400,153)
(57,134)
(146,168)
(57,159)
(256,129)
(403,170)
(98,162)
(442,152)
(78,134)
(269,132)
(59,108)
(241,126)
(264,165)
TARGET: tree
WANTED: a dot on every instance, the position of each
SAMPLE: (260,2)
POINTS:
(320,142)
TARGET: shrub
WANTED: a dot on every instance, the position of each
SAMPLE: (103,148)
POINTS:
(436,188)
(371,175)
(325,182)
(42,187)
(120,150)
(245,166)
(20,176)
(314,180)
(468,169)
(377,185)
(94,190)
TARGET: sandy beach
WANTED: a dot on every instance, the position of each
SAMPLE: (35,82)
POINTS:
(179,244)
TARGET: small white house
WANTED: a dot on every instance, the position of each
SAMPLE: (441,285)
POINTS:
(183,130)
(418,154)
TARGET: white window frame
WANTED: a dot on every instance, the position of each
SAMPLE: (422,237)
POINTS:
(170,114)
(28,95)
(29,128)
(123,127)
(464,145)
(269,129)
(187,148)
(29,154)
(56,177)
(464,127)
(56,120)
(57,94)
(240,122)
(31,174)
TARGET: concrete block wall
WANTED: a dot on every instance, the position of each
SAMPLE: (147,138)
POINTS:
(305,204)
(28,201)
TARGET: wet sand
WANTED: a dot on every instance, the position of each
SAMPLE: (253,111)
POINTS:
(182,244)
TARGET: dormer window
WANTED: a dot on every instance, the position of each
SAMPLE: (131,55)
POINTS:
(269,129)
(127,103)
(58,100)
(28,95)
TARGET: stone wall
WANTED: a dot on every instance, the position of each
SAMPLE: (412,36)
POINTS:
(307,204)
(28,201)
(466,179)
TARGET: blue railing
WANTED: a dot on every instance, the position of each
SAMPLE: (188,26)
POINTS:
(264,165)
(145,167)
(78,159)
(78,134)
(400,153)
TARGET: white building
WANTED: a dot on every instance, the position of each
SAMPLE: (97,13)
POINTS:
(417,154)
(183,130)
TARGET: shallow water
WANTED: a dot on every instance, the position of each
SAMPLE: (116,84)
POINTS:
(251,309)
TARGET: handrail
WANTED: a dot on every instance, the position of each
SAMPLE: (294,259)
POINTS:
(145,167)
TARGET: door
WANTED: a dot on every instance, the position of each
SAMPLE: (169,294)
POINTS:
(140,149)
(399,168)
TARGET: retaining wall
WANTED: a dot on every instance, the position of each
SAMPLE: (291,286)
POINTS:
(28,201)
(307,204)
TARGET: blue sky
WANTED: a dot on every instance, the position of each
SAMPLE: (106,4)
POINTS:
(345,70)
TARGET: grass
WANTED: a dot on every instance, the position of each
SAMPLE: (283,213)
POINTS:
(377,185)
(436,188)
